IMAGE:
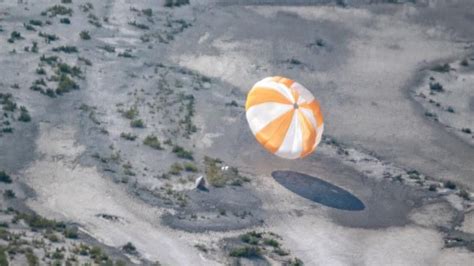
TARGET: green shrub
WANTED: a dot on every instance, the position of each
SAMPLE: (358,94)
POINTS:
(40,71)
(182,153)
(36,22)
(5,178)
(15,36)
(441,68)
(245,251)
(9,194)
(152,141)
(24,115)
(131,113)
(3,256)
(129,248)
(190,167)
(175,169)
(65,21)
(66,84)
(137,123)
(147,12)
(71,233)
(271,242)
(66,49)
(85,35)
(436,87)
(31,258)
(58,10)
(48,38)
(128,136)
(450,184)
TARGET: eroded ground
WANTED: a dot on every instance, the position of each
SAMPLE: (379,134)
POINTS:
(111,110)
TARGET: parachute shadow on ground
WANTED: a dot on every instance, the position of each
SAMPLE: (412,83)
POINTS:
(318,190)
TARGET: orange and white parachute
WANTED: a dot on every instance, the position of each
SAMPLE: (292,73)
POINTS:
(284,117)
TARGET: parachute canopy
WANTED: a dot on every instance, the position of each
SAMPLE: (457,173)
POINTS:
(284,117)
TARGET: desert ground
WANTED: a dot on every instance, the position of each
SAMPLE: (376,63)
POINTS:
(111,109)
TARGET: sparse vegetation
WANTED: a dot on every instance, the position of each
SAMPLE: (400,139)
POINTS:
(175,169)
(441,68)
(245,251)
(5,178)
(182,153)
(128,136)
(57,10)
(24,115)
(131,113)
(220,175)
(65,21)
(176,3)
(190,167)
(15,36)
(66,49)
(436,87)
(66,84)
(450,184)
(137,123)
(138,25)
(153,142)
(85,35)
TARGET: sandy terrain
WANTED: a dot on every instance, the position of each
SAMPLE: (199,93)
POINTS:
(376,192)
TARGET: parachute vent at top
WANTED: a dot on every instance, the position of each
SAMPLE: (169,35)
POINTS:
(285,117)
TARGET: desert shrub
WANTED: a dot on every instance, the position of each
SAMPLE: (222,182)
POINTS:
(40,71)
(450,184)
(58,10)
(9,194)
(466,130)
(464,63)
(128,136)
(63,68)
(190,167)
(281,252)
(245,251)
(175,169)
(432,187)
(3,256)
(15,36)
(5,178)
(66,84)
(271,242)
(66,49)
(138,25)
(131,113)
(147,12)
(85,60)
(182,153)
(24,115)
(38,23)
(295,262)
(108,48)
(85,35)
(152,141)
(201,247)
(137,123)
(65,21)
(48,38)
(50,60)
(450,109)
(66,1)
(436,87)
(71,232)
(441,68)
(29,27)
(31,258)
(129,248)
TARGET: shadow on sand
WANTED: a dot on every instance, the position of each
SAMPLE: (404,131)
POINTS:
(318,190)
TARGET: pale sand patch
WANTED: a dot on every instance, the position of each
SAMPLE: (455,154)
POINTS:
(67,190)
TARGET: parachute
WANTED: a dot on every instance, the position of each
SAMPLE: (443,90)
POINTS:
(284,117)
